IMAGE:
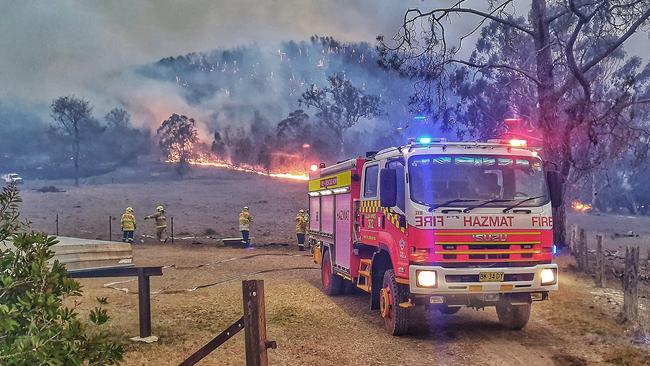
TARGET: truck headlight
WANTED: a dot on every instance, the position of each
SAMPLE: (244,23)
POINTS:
(426,278)
(549,276)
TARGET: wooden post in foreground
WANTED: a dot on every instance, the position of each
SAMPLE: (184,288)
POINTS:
(600,262)
(255,323)
(144,304)
(631,285)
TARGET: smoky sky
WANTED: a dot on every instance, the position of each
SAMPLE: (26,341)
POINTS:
(89,48)
(52,48)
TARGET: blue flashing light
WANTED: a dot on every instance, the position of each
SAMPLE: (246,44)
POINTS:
(420,117)
(554,249)
(424,140)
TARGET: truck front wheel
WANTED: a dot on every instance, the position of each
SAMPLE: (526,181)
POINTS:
(396,318)
(332,283)
(513,317)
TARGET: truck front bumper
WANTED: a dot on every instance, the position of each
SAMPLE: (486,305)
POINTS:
(466,280)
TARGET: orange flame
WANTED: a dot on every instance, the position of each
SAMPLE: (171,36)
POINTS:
(581,207)
(212,161)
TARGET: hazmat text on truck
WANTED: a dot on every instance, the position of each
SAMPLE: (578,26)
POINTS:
(438,224)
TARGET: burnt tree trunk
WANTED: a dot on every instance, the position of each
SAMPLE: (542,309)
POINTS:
(630,311)
(600,262)
(581,256)
(554,140)
(573,239)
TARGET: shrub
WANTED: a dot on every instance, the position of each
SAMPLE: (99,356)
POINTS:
(37,329)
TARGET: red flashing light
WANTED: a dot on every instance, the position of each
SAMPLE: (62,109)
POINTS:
(306,146)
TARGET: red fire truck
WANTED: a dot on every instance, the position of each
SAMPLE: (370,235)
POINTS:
(438,224)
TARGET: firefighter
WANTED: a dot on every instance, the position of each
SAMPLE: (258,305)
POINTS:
(245,220)
(301,228)
(161,223)
(127,223)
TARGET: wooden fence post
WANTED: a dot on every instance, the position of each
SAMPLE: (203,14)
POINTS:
(255,323)
(631,285)
(600,262)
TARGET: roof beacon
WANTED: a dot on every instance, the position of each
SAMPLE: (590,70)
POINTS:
(518,143)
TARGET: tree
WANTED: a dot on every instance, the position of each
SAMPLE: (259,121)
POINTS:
(37,329)
(341,105)
(563,68)
(294,130)
(178,135)
(72,114)
(125,142)
(219,147)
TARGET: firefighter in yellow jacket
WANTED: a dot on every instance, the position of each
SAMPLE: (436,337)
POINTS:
(127,223)
(161,223)
(302,221)
(245,220)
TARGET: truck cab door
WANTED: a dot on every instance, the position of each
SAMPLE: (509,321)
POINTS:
(369,206)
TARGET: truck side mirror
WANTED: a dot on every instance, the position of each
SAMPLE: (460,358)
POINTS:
(387,187)
(555,182)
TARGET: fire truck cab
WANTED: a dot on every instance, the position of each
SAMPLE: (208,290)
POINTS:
(438,224)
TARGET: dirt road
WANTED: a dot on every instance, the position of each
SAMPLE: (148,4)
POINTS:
(573,328)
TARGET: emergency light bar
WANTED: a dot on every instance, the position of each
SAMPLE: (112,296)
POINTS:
(511,142)
(427,140)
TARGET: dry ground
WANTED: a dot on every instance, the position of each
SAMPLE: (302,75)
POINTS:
(576,327)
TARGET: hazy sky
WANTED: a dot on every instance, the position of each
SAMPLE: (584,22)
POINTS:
(59,47)
(66,46)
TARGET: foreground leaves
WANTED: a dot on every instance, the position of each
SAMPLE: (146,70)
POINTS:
(36,328)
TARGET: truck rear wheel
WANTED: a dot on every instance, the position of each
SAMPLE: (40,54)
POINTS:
(449,310)
(332,283)
(396,318)
(513,317)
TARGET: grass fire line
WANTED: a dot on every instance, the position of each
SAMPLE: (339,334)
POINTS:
(247,169)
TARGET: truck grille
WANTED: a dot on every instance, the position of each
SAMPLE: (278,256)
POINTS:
(475,278)
(469,247)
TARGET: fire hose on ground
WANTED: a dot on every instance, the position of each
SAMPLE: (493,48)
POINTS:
(111,285)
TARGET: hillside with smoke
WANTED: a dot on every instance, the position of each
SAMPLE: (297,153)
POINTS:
(245,102)
(243,93)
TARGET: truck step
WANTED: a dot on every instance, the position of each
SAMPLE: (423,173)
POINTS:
(365,288)
(364,273)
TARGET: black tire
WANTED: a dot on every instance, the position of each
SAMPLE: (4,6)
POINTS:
(332,283)
(513,317)
(449,310)
(349,287)
(396,318)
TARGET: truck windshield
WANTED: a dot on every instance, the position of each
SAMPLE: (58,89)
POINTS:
(440,178)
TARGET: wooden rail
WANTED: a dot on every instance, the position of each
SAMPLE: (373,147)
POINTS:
(254,324)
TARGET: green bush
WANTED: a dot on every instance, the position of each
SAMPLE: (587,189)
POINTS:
(35,326)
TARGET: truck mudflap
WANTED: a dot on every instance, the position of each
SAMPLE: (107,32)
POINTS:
(483,280)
